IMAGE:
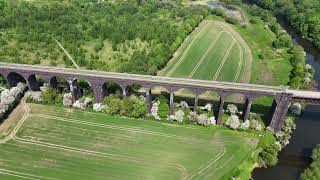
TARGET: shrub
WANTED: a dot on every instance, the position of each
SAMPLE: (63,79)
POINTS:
(233,122)
(114,104)
(67,99)
(295,108)
(269,156)
(203,119)
(9,98)
(232,109)
(232,20)
(178,116)
(283,40)
(34,96)
(134,107)
(163,110)
(51,95)
(99,107)
(131,106)
(218,12)
(245,125)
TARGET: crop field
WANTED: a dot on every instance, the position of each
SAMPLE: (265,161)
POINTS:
(213,51)
(48,142)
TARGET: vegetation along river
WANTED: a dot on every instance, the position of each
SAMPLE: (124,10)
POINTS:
(296,156)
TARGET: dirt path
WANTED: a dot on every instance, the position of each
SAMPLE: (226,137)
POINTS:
(67,54)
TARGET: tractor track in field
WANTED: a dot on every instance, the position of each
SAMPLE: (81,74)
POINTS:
(213,43)
(239,65)
(125,128)
(207,165)
(186,51)
(224,60)
(181,168)
(23,175)
(245,48)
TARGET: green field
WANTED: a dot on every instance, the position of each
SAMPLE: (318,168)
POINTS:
(214,51)
(52,142)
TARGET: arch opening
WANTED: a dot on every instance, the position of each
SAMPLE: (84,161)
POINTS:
(263,106)
(135,89)
(14,78)
(85,87)
(185,95)
(235,104)
(111,88)
(208,103)
(60,83)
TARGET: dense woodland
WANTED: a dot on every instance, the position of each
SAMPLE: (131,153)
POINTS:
(126,36)
(303,15)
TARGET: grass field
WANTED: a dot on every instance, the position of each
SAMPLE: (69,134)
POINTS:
(57,143)
(213,51)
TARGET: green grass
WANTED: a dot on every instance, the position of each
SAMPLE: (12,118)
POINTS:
(211,52)
(64,143)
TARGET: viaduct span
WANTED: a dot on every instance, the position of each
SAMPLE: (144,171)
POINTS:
(282,95)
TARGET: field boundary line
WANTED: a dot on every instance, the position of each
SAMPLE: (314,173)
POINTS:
(124,128)
(200,170)
(23,175)
(205,54)
(185,51)
(224,60)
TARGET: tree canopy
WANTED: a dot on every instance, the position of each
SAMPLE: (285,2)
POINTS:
(143,34)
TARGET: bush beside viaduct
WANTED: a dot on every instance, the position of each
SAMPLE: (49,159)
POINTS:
(282,95)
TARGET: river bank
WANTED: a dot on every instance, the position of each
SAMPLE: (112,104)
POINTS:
(296,156)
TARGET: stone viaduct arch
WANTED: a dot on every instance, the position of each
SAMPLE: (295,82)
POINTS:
(15,73)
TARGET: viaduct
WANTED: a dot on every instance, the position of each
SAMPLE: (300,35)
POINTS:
(282,96)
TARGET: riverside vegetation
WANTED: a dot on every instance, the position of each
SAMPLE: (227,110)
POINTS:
(312,172)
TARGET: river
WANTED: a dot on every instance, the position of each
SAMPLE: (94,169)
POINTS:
(296,156)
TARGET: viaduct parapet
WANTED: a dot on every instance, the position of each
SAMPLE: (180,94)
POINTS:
(15,73)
